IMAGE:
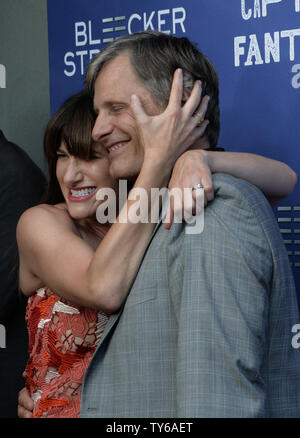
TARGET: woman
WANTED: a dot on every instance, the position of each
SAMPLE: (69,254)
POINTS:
(60,249)
(57,243)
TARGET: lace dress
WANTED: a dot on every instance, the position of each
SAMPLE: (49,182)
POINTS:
(62,340)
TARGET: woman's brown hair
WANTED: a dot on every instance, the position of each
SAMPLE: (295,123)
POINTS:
(71,124)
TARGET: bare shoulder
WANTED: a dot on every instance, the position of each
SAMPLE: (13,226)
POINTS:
(37,224)
(40,228)
(40,216)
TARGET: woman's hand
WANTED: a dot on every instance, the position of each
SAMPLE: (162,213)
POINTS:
(25,404)
(190,169)
(197,166)
(167,135)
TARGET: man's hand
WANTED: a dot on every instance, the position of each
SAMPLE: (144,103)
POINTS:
(25,404)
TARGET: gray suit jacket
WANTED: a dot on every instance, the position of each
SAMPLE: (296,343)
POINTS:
(206,328)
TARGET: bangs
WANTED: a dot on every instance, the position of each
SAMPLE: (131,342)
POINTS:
(72,124)
(77,134)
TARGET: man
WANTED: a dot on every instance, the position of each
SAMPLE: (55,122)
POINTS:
(22,185)
(206,328)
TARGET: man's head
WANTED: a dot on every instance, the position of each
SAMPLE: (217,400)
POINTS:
(144,64)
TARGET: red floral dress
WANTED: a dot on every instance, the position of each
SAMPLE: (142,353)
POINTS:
(62,340)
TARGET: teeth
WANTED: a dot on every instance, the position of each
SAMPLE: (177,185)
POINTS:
(116,146)
(83,192)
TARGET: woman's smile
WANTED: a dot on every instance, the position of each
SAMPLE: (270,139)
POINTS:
(81,193)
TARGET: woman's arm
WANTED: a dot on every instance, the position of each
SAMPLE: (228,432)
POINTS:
(49,248)
(165,138)
(274,178)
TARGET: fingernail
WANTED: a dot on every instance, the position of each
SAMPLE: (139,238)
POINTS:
(179,70)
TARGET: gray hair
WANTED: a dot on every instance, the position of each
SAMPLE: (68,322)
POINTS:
(154,57)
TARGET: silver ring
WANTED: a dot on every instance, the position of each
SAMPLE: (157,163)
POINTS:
(197,186)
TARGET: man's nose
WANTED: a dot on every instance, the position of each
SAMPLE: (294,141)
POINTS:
(73,173)
(102,127)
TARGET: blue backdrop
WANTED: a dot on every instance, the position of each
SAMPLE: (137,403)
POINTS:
(254,44)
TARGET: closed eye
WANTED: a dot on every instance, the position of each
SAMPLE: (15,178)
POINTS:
(117,108)
(61,154)
(95,157)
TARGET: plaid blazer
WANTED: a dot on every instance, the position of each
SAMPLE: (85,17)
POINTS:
(206,328)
